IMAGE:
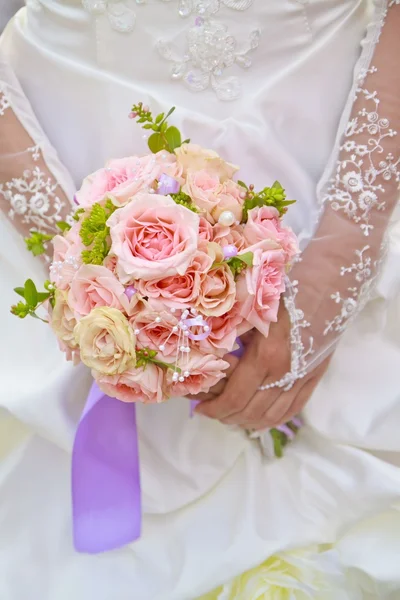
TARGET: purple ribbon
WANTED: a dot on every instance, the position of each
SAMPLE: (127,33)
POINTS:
(106,496)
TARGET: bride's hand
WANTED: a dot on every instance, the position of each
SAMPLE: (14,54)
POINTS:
(239,400)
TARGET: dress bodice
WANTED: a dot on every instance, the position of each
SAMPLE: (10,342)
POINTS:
(226,47)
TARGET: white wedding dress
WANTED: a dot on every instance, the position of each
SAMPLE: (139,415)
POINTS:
(213,506)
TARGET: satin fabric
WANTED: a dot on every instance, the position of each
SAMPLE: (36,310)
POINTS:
(213,507)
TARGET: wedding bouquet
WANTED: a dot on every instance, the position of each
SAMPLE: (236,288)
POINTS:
(166,262)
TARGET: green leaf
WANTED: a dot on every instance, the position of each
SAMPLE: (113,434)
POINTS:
(20,310)
(150,126)
(63,225)
(42,296)
(159,117)
(277,185)
(156,143)
(35,243)
(243,185)
(169,113)
(173,136)
(31,295)
(20,291)
(247,258)
(78,214)
(187,141)
(276,438)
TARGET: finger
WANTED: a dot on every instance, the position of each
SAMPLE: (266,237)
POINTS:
(239,389)
(202,397)
(288,405)
(281,405)
(251,413)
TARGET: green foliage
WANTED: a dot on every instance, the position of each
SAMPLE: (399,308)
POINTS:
(238,263)
(164,136)
(270,196)
(145,356)
(78,214)
(63,226)
(36,242)
(184,200)
(95,234)
(33,299)
(280,441)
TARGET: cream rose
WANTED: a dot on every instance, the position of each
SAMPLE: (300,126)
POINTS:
(196,158)
(106,341)
(63,322)
(217,292)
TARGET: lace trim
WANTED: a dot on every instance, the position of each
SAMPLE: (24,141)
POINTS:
(355,191)
(32,198)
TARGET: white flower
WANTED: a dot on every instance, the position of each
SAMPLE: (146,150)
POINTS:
(308,574)
(353,181)
(349,146)
(18,202)
(367,199)
(361,149)
(39,203)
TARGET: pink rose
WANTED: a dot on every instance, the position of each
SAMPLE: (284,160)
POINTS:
(66,257)
(205,230)
(205,371)
(169,165)
(93,286)
(217,292)
(153,237)
(157,330)
(260,288)
(223,333)
(135,385)
(179,291)
(264,224)
(230,197)
(202,187)
(120,180)
(195,158)
(229,236)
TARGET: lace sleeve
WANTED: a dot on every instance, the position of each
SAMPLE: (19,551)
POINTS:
(35,189)
(358,193)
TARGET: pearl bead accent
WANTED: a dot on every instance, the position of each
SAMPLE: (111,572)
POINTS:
(227,218)
(158,319)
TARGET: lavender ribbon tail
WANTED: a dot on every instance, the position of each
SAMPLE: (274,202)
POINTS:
(106,494)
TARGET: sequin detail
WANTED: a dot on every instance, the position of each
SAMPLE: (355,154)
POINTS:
(120,14)
(210,51)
